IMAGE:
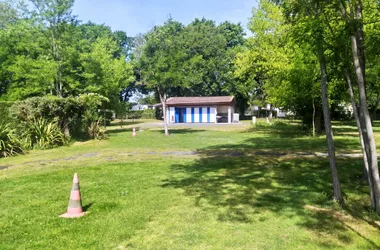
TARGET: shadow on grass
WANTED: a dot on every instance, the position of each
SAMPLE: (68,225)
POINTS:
(348,128)
(161,131)
(291,130)
(124,123)
(244,189)
(129,129)
(173,131)
(287,136)
(121,130)
(86,207)
(300,144)
(281,129)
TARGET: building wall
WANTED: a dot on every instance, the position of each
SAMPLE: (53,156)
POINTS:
(170,115)
(213,115)
(204,115)
(188,115)
(194,114)
(223,111)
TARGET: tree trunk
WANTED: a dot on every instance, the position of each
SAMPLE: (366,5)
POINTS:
(357,46)
(313,118)
(326,115)
(163,102)
(356,115)
(67,131)
(64,126)
(60,80)
(318,120)
(56,56)
(375,107)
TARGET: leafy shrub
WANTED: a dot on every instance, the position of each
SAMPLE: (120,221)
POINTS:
(72,114)
(4,111)
(135,114)
(121,109)
(148,114)
(105,116)
(40,133)
(63,110)
(9,143)
(97,131)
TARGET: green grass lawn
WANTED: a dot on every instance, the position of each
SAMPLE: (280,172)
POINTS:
(206,187)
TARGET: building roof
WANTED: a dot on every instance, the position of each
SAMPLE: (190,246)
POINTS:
(200,101)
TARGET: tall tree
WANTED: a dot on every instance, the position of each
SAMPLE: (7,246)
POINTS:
(372,51)
(234,33)
(161,62)
(308,15)
(205,47)
(279,66)
(8,14)
(26,70)
(103,73)
(352,14)
(211,51)
(54,14)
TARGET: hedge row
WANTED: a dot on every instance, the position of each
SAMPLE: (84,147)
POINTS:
(142,114)
(74,115)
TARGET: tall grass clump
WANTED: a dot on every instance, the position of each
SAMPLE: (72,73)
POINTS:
(41,133)
(9,143)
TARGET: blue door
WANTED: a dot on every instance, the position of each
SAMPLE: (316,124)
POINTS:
(176,112)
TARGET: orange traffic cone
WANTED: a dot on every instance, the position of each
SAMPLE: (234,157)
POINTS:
(74,209)
(134,132)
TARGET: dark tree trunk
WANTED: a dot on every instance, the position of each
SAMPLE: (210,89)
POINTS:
(375,107)
(355,21)
(318,120)
(326,115)
(357,46)
(64,126)
(313,118)
(67,131)
(356,115)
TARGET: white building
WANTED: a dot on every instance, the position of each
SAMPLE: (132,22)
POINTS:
(142,106)
(206,109)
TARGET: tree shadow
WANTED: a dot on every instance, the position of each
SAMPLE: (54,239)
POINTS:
(124,123)
(173,131)
(347,129)
(288,130)
(244,188)
(280,129)
(278,143)
(121,130)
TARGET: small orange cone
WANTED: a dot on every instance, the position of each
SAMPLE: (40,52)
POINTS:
(74,209)
(134,132)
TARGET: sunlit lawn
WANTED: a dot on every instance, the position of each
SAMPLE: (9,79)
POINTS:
(203,187)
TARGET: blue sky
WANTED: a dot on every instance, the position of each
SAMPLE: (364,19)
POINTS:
(139,16)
